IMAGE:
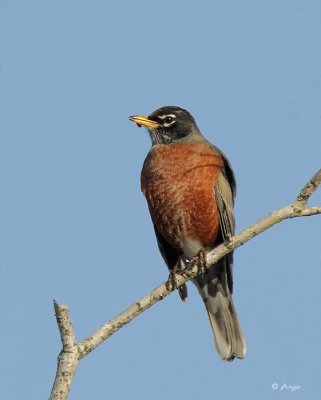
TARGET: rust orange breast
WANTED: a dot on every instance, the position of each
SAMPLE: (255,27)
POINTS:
(178,182)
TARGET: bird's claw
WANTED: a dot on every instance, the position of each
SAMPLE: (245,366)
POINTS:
(201,262)
(172,282)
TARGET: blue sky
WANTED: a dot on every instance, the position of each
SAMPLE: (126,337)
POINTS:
(75,226)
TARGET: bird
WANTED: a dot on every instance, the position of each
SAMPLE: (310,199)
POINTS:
(190,188)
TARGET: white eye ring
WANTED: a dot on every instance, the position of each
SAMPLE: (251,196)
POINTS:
(168,120)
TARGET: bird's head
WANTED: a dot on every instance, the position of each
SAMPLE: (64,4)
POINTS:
(169,125)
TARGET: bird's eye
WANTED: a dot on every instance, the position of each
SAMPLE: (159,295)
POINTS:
(166,120)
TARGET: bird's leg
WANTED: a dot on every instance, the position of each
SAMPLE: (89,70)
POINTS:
(182,268)
(176,270)
(201,261)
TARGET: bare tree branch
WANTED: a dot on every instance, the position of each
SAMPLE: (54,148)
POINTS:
(309,189)
(68,358)
(72,351)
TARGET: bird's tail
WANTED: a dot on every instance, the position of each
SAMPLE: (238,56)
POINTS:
(214,288)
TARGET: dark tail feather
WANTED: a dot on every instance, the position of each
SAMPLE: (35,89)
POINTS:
(183,292)
(229,339)
(228,336)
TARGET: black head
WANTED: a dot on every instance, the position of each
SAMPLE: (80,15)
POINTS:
(169,124)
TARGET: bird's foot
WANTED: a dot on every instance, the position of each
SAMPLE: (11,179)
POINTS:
(178,270)
(201,262)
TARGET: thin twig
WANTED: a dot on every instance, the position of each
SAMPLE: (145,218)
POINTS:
(309,189)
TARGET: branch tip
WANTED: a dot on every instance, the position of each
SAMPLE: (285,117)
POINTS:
(307,191)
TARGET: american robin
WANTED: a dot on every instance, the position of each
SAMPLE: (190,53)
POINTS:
(190,187)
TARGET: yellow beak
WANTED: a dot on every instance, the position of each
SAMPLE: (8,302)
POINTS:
(145,121)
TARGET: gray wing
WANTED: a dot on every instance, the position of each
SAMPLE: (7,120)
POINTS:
(225,203)
(225,190)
